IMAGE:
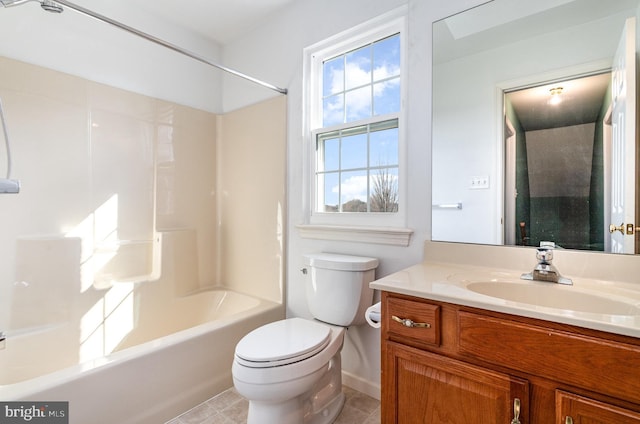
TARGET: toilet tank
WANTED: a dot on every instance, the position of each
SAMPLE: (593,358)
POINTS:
(337,287)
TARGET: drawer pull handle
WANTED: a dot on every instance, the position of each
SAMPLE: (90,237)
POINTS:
(409,323)
(568,420)
(516,411)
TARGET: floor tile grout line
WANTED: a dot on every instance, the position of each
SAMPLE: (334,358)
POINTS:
(228,400)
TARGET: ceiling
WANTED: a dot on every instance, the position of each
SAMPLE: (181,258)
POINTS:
(581,100)
(484,28)
(222,21)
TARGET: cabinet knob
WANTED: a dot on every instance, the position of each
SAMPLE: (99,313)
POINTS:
(516,411)
(568,420)
(409,323)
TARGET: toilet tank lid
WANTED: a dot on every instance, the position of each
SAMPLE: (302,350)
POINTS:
(340,262)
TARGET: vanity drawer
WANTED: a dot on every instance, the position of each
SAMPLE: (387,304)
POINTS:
(605,366)
(410,320)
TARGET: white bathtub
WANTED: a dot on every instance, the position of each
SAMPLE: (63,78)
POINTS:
(176,354)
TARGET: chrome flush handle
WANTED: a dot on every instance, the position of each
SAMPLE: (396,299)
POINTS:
(409,323)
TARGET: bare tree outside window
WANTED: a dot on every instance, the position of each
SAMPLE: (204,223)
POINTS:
(384,196)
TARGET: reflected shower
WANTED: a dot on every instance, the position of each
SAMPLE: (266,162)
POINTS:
(47,5)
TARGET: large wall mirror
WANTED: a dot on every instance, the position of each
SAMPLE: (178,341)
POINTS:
(534,125)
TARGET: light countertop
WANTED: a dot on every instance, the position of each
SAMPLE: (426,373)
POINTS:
(612,306)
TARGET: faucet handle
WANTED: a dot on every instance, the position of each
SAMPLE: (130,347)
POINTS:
(544,255)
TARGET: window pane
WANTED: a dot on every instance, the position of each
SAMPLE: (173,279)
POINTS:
(328,184)
(330,160)
(384,147)
(358,104)
(354,151)
(353,188)
(333,110)
(384,190)
(333,76)
(386,97)
(358,68)
(386,58)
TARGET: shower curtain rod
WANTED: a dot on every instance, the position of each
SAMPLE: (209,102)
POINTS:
(166,44)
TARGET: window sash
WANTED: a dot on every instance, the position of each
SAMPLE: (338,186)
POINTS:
(346,95)
(374,173)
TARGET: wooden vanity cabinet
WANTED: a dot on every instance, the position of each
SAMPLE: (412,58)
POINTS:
(449,364)
(571,408)
(430,388)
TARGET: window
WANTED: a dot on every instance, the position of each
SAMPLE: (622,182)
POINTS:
(355,120)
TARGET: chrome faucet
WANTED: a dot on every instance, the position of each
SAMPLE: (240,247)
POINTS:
(544,270)
(3,340)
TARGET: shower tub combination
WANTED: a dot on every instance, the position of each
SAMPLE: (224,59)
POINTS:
(149,377)
(132,353)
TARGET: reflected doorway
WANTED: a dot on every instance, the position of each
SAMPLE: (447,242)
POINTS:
(555,174)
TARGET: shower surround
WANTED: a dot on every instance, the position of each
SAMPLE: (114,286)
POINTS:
(103,172)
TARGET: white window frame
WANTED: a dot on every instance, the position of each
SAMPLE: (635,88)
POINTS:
(336,226)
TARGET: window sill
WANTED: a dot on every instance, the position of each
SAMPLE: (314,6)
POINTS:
(376,235)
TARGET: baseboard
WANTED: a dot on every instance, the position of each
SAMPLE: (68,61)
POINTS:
(360,384)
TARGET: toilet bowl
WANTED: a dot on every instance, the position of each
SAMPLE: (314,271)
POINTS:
(290,371)
(290,367)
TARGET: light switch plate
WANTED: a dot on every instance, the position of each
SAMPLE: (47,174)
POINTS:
(479,182)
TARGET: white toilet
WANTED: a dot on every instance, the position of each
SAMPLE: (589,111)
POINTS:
(290,370)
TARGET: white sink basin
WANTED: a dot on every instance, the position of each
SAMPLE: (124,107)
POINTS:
(553,296)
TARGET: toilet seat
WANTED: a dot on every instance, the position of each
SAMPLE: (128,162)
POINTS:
(282,343)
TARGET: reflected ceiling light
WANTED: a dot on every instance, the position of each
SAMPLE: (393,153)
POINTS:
(555,95)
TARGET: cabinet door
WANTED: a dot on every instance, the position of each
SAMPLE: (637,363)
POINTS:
(574,409)
(420,387)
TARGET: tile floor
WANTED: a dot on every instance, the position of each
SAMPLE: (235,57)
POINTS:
(230,408)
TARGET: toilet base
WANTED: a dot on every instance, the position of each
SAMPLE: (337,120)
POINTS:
(291,412)
(320,405)
(329,413)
